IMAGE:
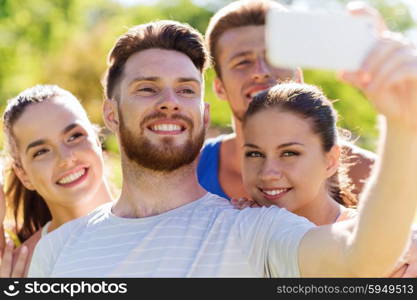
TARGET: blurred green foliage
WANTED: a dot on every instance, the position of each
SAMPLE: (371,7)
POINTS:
(65,42)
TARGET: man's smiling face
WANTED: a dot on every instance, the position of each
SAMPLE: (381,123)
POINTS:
(161,112)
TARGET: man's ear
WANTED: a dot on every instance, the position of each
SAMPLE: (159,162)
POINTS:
(299,75)
(111,115)
(206,117)
(219,89)
(23,177)
(332,160)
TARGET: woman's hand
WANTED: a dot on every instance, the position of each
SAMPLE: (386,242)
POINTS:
(7,269)
(388,78)
(243,202)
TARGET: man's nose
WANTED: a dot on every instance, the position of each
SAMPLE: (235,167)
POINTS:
(262,69)
(169,102)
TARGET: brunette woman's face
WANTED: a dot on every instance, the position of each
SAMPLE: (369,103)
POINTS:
(284,163)
(59,152)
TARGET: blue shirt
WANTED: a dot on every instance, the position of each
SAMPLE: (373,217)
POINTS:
(208,166)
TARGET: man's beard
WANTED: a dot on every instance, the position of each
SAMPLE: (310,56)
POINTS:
(165,157)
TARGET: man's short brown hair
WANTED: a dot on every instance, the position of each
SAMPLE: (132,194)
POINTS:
(236,14)
(169,35)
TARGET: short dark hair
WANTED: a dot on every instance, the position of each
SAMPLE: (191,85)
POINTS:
(169,35)
(234,15)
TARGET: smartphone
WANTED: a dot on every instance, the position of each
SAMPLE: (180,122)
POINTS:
(318,40)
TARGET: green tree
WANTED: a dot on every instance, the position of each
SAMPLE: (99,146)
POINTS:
(66,42)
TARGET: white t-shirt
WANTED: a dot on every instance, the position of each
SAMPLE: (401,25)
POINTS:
(205,238)
(44,230)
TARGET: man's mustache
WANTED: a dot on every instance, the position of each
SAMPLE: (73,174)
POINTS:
(160,115)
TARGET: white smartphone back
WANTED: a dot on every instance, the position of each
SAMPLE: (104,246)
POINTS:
(318,40)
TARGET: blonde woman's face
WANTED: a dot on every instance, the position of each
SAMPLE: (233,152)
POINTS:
(59,152)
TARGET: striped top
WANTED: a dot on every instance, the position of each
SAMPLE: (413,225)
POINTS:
(204,238)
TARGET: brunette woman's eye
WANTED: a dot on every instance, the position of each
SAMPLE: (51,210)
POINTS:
(253,154)
(290,153)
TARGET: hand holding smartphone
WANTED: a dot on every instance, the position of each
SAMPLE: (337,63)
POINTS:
(318,40)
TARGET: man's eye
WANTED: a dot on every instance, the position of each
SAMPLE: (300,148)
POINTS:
(75,136)
(40,152)
(289,153)
(187,91)
(242,63)
(147,90)
(253,154)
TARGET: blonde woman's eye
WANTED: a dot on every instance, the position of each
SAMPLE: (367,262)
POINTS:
(75,136)
(40,152)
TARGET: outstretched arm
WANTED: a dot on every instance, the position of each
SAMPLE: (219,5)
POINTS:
(371,245)
(360,161)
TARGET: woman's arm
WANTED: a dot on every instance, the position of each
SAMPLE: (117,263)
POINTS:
(370,246)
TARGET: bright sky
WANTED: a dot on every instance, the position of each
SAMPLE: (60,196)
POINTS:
(136,2)
(411,3)
(413,7)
